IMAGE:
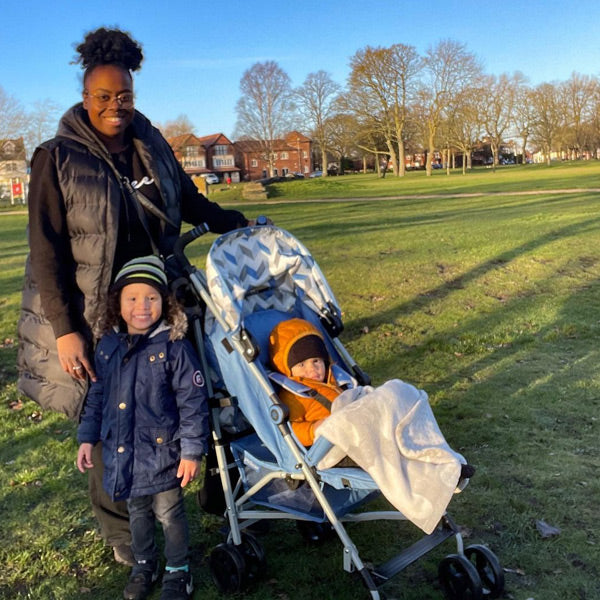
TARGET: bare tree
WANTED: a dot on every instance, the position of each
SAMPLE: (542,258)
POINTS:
(448,69)
(499,95)
(372,128)
(578,94)
(315,99)
(266,109)
(343,133)
(524,113)
(41,125)
(464,125)
(548,117)
(381,86)
(13,118)
(179,126)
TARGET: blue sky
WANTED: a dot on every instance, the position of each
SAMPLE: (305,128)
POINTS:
(197,51)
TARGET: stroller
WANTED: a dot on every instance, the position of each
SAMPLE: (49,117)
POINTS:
(254,278)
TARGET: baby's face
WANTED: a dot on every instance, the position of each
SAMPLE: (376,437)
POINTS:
(311,368)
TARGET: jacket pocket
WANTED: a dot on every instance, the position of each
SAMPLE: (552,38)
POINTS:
(157,451)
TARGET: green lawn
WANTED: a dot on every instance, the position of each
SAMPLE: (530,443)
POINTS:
(490,302)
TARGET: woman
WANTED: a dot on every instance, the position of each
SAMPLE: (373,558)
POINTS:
(105,190)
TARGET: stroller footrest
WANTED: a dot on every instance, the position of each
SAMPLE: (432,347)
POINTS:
(411,554)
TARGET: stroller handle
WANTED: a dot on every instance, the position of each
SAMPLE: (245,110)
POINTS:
(184,240)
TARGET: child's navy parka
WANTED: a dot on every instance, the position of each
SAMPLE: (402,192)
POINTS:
(149,409)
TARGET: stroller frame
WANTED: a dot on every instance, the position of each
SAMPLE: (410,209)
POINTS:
(473,572)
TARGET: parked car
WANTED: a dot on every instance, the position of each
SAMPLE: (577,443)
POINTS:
(210,177)
(315,174)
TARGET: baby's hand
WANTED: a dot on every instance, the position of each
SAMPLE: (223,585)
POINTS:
(84,457)
(188,469)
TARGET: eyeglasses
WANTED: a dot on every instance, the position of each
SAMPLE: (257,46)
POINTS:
(124,99)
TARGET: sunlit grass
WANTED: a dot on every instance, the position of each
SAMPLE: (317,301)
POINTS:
(490,303)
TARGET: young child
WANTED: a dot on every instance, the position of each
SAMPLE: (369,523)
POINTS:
(148,408)
(297,349)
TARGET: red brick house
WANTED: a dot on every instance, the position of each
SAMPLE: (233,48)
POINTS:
(293,154)
(208,154)
(14,177)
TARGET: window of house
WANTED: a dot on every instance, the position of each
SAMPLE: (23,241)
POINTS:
(193,163)
(284,155)
(8,148)
(191,150)
(222,162)
(221,149)
(304,154)
(254,163)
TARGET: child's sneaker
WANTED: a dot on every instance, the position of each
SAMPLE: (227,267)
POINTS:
(143,576)
(176,585)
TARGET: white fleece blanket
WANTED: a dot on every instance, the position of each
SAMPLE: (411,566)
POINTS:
(391,433)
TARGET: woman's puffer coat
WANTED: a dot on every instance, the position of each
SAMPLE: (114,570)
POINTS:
(149,409)
(303,412)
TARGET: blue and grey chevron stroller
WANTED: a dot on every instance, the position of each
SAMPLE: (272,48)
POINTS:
(254,278)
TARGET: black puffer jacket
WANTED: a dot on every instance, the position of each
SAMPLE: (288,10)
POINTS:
(91,191)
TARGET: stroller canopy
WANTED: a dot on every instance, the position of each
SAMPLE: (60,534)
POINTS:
(261,268)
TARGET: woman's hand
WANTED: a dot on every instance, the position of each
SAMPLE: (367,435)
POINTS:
(260,220)
(188,469)
(73,356)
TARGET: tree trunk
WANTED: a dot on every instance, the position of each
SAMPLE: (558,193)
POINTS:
(429,155)
(401,160)
(393,157)
(324,162)
(524,155)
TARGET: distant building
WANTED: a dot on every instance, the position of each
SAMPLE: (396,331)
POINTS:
(293,154)
(208,154)
(14,175)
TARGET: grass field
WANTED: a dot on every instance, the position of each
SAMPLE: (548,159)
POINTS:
(488,298)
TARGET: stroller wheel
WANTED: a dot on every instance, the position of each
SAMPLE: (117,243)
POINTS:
(228,568)
(489,569)
(254,556)
(315,533)
(459,578)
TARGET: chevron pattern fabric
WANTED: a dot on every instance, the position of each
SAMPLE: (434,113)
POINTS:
(260,268)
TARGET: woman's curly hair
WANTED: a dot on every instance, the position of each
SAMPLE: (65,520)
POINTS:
(172,313)
(109,47)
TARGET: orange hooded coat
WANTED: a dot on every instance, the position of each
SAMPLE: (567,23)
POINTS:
(304,412)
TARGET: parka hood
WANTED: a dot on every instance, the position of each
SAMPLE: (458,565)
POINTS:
(283,336)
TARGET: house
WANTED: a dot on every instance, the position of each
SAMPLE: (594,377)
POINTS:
(14,175)
(208,154)
(292,154)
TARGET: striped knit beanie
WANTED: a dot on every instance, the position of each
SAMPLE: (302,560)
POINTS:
(145,269)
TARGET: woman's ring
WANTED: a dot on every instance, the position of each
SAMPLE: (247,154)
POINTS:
(77,368)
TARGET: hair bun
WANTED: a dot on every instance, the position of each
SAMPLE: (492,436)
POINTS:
(108,47)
